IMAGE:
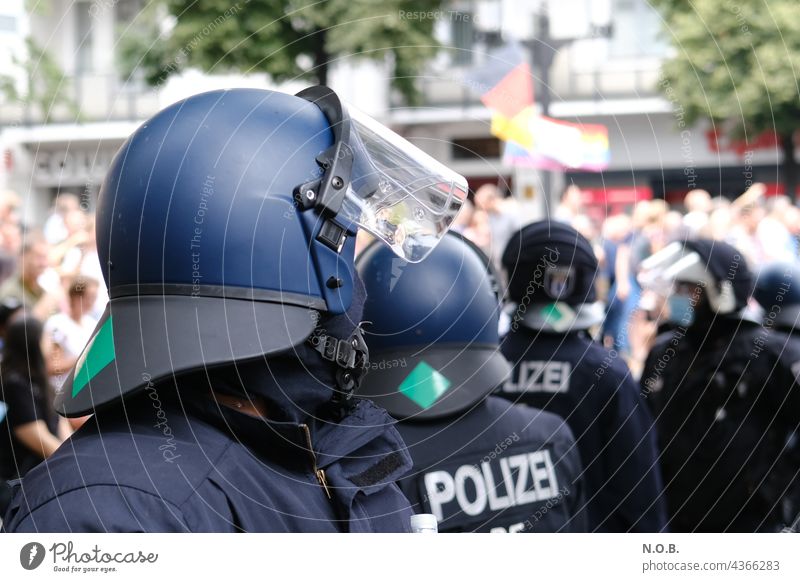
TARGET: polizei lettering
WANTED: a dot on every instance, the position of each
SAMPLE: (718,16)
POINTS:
(507,482)
(535,376)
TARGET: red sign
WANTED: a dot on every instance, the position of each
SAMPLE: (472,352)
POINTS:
(719,142)
(616,195)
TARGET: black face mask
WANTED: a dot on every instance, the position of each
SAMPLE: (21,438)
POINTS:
(300,384)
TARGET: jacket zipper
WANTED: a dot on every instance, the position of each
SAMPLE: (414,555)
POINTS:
(319,473)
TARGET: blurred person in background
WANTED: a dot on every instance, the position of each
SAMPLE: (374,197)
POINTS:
(478,230)
(450,423)
(720,222)
(10,233)
(615,231)
(34,430)
(9,308)
(559,368)
(69,331)
(25,285)
(698,206)
(758,229)
(9,207)
(586,227)
(777,290)
(675,228)
(66,255)
(84,261)
(503,219)
(646,237)
(55,228)
(719,392)
(464,218)
(570,206)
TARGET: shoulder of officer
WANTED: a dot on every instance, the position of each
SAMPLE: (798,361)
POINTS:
(113,471)
(529,421)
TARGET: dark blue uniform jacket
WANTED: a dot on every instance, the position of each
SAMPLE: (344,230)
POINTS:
(496,467)
(148,468)
(592,389)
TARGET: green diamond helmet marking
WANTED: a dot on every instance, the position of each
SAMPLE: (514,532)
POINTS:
(552,313)
(98,354)
(424,385)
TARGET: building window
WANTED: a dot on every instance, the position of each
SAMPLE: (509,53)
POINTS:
(475,148)
(636,30)
(84,33)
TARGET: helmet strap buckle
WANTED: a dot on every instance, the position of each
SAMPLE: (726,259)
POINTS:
(351,357)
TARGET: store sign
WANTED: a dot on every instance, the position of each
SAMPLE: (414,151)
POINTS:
(71,165)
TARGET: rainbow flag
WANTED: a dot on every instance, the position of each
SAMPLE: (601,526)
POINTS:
(541,142)
(550,144)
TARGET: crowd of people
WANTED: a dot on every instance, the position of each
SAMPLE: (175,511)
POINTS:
(765,229)
(51,296)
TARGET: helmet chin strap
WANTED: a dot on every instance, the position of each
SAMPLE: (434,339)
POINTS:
(351,357)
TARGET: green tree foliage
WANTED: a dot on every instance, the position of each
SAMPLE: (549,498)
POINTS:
(285,38)
(737,63)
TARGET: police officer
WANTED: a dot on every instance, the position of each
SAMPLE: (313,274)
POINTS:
(719,391)
(559,368)
(221,372)
(480,463)
(777,290)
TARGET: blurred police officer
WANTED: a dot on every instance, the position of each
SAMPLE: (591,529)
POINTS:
(559,368)
(720,391)
(480,463)
(220,375)
(777,291)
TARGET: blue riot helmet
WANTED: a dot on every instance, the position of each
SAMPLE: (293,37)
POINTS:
(777,290)
(552,271)
(432,330)
(225,227)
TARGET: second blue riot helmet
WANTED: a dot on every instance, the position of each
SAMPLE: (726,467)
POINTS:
(432,330)
(225,228)
(777,290)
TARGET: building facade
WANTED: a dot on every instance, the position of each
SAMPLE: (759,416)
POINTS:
(605,69)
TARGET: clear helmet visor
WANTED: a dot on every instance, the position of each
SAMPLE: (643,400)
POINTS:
(397,192)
